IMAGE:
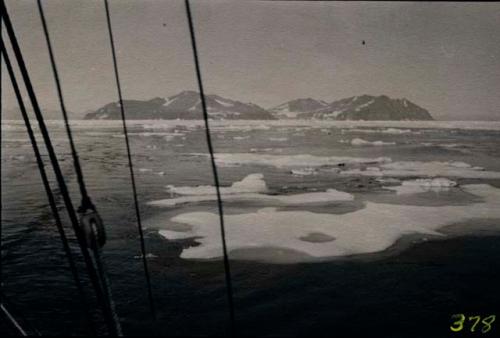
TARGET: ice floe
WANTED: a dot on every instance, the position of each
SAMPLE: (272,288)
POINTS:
(304,172)
(251,188)
(266,150)
(278,139)
(280,161)
(330,195)
(397,131)
(426,169)
(251,183)
(388,180)
(149,134)
(361,142)
(394,131)
(424,185)
(371,229)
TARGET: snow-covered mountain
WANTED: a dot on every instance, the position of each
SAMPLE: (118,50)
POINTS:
(367,107)
(293,108)
(185,105)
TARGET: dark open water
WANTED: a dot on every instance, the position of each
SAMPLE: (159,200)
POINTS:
(409,290)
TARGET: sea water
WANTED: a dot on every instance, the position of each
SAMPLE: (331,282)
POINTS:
(332,227)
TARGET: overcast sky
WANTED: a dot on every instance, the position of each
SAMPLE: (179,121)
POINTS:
(442,56)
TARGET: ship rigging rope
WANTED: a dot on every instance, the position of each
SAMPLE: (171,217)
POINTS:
(107,307)
(113,327)
(7,308)
(48,189)
(227,270)
(129,158)
(13,321)
(1,205)
(86,202)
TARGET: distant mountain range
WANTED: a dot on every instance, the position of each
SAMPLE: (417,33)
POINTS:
(292,109)
(365,107)
(187,106)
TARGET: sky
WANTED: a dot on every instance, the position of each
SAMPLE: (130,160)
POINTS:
(444,57)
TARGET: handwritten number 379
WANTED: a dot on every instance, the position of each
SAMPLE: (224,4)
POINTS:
(474,321)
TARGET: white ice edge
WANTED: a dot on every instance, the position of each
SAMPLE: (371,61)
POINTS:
(330,195)
(372,229)
(420,185)
(362,142)
(250,188)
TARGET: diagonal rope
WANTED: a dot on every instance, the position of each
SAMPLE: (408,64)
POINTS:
(104,303)
(86,202)
(24,330)
(129,158)
(227,269)
(13,321)
(1,204)
(48,190)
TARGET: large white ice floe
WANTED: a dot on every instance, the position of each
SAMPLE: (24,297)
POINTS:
(437,184)
(330,195)
(251,188)
(371,229)
(251,183)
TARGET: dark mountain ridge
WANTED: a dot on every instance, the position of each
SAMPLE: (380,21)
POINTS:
(364,107)
(187,106)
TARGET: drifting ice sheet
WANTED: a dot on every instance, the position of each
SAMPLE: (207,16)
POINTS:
(331,195)
(372,229)
(251,183)
(423,185)
(251,188)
